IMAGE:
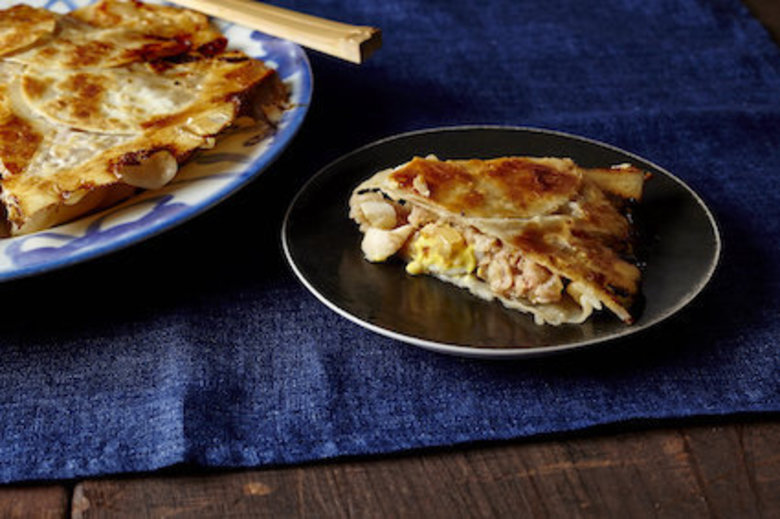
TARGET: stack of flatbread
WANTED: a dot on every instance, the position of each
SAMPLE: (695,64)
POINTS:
(112,98)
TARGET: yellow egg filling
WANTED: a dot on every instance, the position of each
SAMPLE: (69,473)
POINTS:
(439,248)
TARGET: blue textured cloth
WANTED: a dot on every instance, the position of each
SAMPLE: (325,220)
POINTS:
(199,346)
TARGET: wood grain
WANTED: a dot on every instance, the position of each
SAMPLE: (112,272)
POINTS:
(703,471)
(768,12)
(39,501)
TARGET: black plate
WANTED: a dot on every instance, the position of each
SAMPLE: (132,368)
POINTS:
(323,248)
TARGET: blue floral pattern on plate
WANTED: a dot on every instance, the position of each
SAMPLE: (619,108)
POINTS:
(206,180)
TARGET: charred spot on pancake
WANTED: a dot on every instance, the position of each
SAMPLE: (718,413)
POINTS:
(137,157)
(86,98)
(165,120)
(89,53)
(155,50)
(18,143)
(436,174)
(168,62)
(473,199)
(34,87)
(213,48)
(444,182)
(48,52)
(518,177)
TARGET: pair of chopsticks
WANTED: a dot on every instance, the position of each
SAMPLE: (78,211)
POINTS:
(353,43)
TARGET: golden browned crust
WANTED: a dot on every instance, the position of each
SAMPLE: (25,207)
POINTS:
(22,26)
(188,27)
(44,109)
(19,140)
(500,188)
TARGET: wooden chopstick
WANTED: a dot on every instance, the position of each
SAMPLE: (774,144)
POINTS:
(353,43)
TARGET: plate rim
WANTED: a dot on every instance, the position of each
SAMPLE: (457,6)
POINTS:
(511,352)
(246,174)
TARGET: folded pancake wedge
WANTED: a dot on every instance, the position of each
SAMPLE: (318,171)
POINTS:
(114,98)
(542,235)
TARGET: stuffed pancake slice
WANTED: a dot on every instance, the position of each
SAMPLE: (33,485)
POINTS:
(542,235)
(112,98)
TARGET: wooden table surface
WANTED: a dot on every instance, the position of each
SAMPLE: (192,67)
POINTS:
(726,468)
(729,470)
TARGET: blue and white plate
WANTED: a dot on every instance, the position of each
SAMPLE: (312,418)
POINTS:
(206,180)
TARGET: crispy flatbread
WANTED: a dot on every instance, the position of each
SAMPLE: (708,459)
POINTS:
(111,98)
(21,26)
(542,235)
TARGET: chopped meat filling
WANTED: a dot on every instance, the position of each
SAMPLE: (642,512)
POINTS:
(512,275)
(394,228)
